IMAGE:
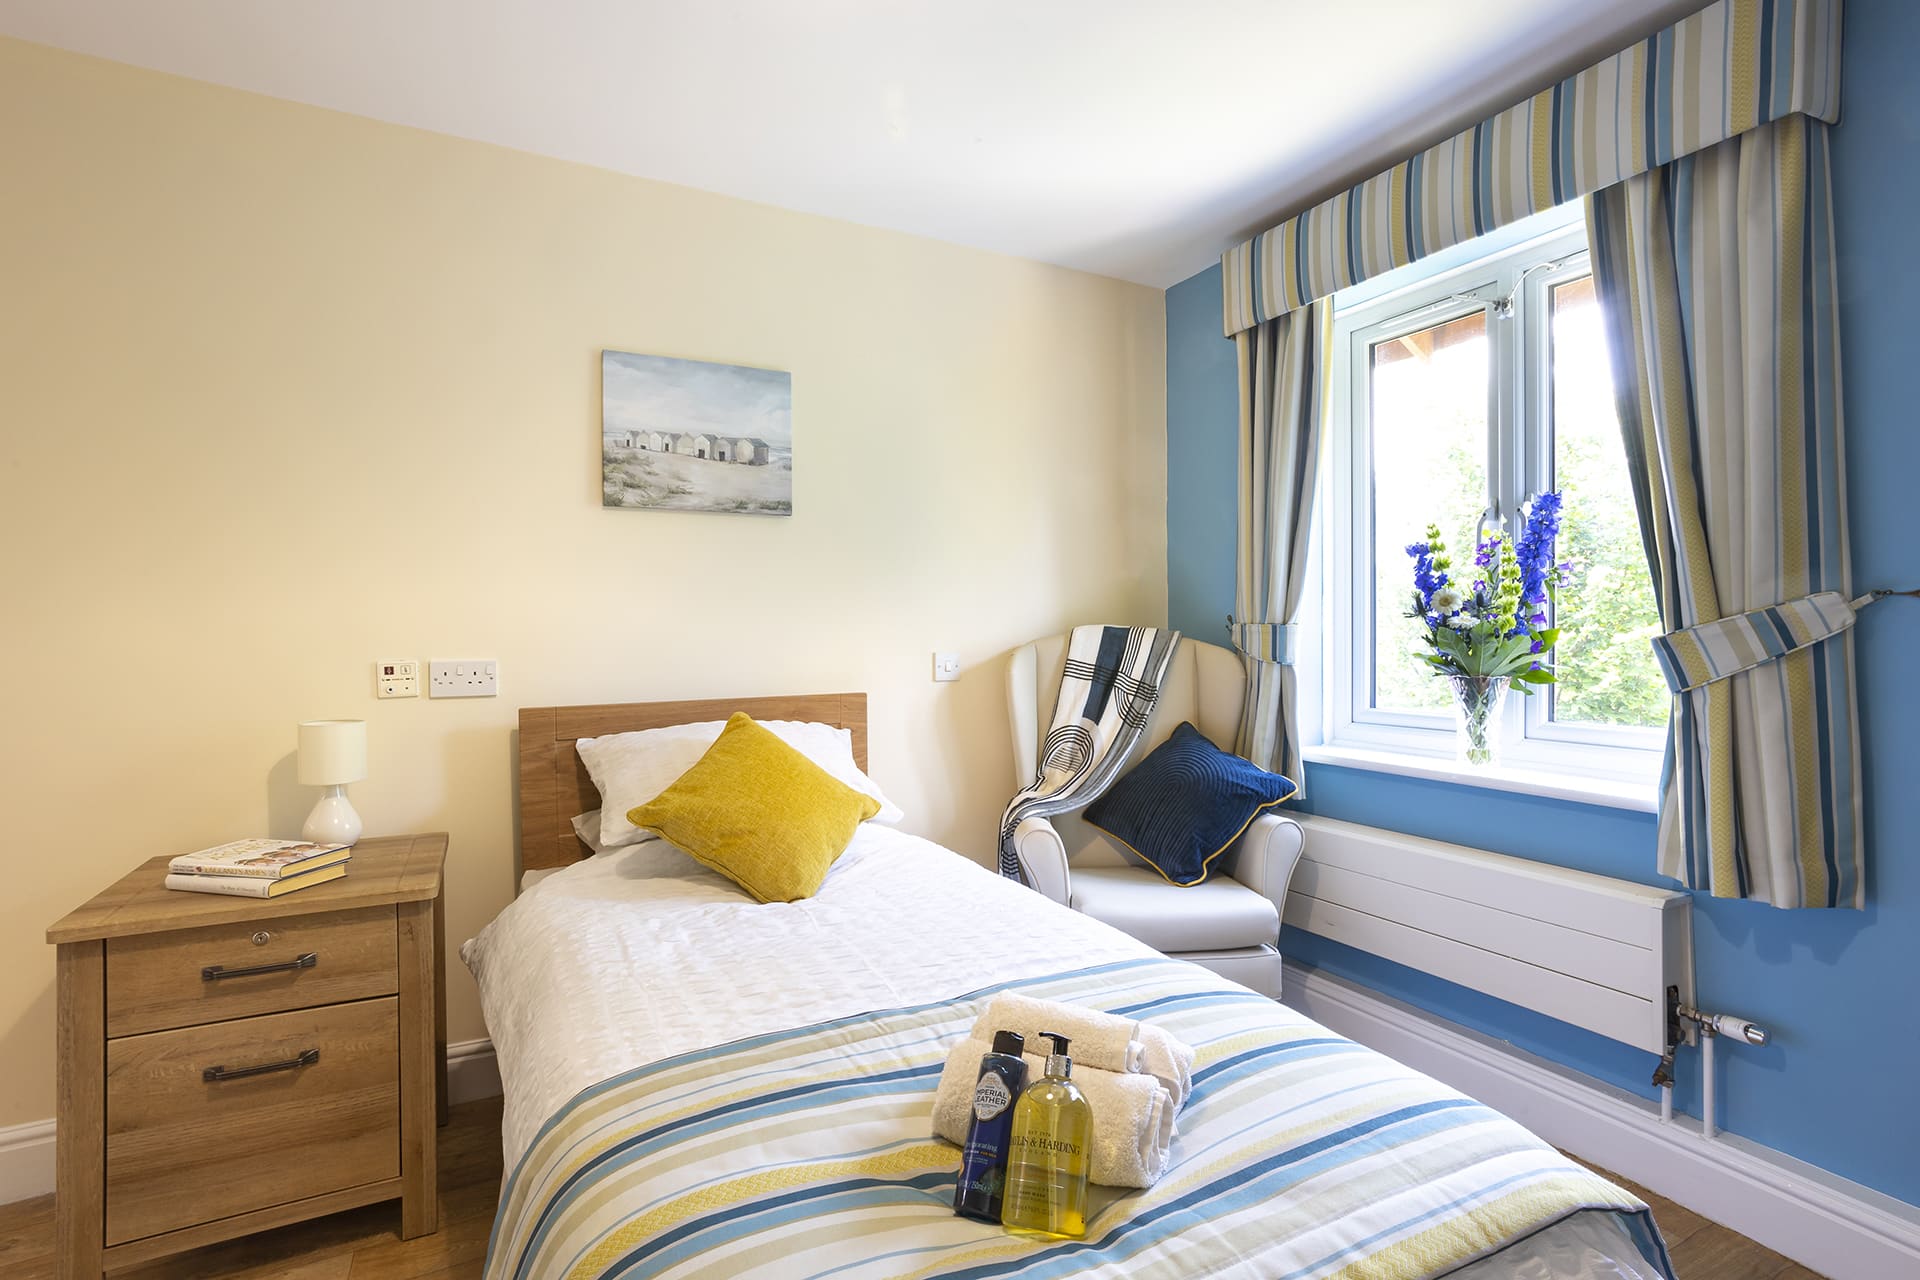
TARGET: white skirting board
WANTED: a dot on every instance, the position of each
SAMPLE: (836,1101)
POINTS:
(471,1071)
(26,1161)
(26,1150)
(1837,1227)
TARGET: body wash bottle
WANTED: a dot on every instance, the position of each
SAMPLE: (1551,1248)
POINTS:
(983,1161)
(1048,1156)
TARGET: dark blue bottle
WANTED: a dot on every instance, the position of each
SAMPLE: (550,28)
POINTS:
(983,1161)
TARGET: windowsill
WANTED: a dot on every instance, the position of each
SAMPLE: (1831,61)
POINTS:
(1641,797)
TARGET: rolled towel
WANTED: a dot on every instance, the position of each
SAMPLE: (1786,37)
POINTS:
(1105,1041)
(1158,1053)
(1132,1114)
(1101,1040)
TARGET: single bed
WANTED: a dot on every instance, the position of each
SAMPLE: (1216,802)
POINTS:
(699,1085)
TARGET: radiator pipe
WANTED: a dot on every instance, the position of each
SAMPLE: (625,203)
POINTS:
(1708,1035)
(1712,1026)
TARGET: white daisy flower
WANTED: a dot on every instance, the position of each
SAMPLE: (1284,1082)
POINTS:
(1446,601)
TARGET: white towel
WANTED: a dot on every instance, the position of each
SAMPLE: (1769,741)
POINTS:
(1104,1041)
(1132,1114)
(1160,1055)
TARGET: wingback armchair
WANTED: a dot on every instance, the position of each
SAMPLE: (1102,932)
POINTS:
(1230,923)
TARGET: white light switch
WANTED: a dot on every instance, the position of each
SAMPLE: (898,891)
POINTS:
(396,678)
(466,679)
(946,666)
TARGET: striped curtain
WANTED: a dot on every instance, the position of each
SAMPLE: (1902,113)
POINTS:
(1283,400)
(1716,275)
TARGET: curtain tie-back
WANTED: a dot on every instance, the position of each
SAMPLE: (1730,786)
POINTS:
(1264,641)
(1696,656)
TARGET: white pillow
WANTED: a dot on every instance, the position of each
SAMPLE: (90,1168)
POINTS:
(632,768)
(587,827)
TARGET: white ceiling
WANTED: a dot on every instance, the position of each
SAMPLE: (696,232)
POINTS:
(1132,138)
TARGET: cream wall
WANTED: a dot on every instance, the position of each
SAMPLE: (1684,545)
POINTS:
(283,391)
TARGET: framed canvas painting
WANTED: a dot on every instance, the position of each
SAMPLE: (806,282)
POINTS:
(687,435)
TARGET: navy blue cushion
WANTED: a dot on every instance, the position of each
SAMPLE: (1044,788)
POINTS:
(1185,803)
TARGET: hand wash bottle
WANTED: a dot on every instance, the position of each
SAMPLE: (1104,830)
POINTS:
(983,1161)
(1047,1158)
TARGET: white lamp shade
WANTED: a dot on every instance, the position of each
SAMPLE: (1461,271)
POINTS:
(332,752)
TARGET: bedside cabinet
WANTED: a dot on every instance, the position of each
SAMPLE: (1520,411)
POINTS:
(233,1064)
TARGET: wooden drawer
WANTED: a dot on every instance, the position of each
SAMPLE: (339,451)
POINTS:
(160,980)
(182,1149)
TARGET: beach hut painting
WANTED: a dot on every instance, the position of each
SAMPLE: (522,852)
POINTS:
(689,435)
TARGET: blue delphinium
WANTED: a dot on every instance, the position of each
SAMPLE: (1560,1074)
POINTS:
(1497,626)
(1430,579)
(1535,553)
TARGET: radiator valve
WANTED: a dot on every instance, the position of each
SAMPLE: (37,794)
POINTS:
(1725,1024)
(1710,1024)
(1663,1073)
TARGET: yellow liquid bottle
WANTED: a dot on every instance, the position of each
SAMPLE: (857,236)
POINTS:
(1048,1153)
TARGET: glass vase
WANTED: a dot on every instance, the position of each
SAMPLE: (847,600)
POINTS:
(1477,701)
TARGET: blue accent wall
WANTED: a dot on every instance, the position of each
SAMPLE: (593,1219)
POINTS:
(1203,425)
(1837,1085)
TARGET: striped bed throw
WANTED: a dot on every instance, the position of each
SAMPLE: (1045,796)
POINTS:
(808,1153)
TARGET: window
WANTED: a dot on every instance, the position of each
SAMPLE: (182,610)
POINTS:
(1456,398)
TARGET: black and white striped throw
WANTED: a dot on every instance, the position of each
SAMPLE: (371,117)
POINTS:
(1111,682)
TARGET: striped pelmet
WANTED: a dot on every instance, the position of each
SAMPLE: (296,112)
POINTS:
(1733,66)
(806,1153)
(1716,274)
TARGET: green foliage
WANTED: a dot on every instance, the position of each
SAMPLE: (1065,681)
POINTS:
(1598,652)
(1606,612)
(1458,495)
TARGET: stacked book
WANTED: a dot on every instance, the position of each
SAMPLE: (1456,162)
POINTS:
(258,868)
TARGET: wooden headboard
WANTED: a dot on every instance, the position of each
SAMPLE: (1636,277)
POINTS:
(554,784)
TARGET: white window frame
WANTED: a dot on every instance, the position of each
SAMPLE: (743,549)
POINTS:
(1536,444)
(1619,762)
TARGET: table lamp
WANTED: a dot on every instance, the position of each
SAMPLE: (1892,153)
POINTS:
(332,754)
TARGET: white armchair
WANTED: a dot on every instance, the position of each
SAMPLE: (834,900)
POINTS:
(1231,922)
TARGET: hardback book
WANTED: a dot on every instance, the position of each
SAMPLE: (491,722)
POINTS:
(262,859)
(254,886)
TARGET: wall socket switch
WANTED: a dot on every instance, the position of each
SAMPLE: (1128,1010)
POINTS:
(469,679)
(396,678)
(946,666)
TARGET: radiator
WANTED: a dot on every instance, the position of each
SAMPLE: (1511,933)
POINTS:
(1589,950)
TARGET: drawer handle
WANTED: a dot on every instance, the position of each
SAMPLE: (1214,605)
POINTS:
(306,1059)
(215,972)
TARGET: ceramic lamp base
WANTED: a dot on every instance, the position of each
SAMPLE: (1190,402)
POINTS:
(333,820)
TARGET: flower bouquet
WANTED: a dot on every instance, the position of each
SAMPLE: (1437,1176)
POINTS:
(1490,634)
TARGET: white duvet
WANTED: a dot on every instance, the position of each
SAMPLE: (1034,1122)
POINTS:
(640,953)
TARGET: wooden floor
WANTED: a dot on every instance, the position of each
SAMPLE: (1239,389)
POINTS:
(1705,1250)
(365,1245)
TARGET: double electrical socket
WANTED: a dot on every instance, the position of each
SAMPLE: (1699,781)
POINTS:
(400,678)
(469,679)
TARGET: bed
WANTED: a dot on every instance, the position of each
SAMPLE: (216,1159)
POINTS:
(698,1085)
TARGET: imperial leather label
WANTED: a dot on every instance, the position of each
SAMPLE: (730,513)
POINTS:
(990,1096)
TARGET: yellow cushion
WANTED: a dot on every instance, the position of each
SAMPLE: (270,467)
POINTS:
(759,813)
